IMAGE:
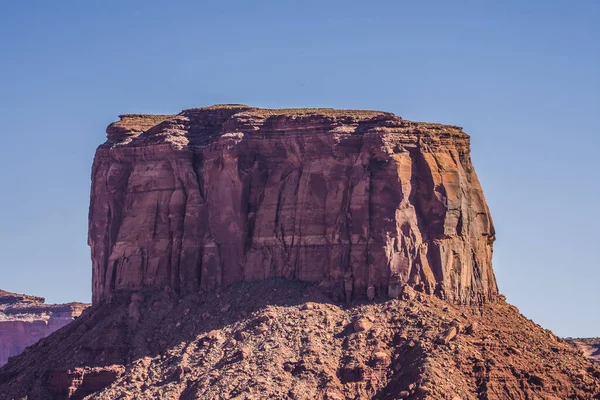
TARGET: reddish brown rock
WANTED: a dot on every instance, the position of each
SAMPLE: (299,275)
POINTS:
(589,346)
(357,201)
(306,353)
(361,325)
(352,204)
(448,335)
(26,319)
(77,383)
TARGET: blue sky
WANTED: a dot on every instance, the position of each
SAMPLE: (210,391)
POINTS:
(523,78)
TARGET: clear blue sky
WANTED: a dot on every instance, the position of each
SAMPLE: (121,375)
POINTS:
(522,77)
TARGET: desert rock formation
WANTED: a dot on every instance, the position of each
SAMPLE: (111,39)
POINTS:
(283,339)
(26,319)
(359,202)
(244,253)
(589,346)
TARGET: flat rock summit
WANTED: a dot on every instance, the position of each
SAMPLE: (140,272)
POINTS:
(249,253)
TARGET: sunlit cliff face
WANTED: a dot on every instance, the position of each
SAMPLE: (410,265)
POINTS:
(360,202)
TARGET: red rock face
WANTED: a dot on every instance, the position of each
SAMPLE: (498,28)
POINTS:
(26,319)
(361,202)
(77,383)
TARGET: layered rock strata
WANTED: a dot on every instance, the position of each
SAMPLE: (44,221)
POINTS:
(361,202)
(26,319)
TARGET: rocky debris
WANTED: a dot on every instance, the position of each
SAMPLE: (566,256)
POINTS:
(359,202)
(471,328)
(77,383)
(361,325)
(448,335)
(589,346)
(26,319)
(309,350)
(408,293)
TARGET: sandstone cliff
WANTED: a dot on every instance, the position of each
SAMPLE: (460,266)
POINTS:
(195,219)
(26,319)
(359,202)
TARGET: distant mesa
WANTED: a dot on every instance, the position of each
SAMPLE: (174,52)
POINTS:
(26,319)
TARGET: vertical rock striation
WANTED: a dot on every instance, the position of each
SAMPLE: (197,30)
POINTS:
(361,202)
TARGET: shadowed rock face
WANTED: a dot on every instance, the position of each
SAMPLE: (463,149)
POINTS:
(26,319)
(361,202)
